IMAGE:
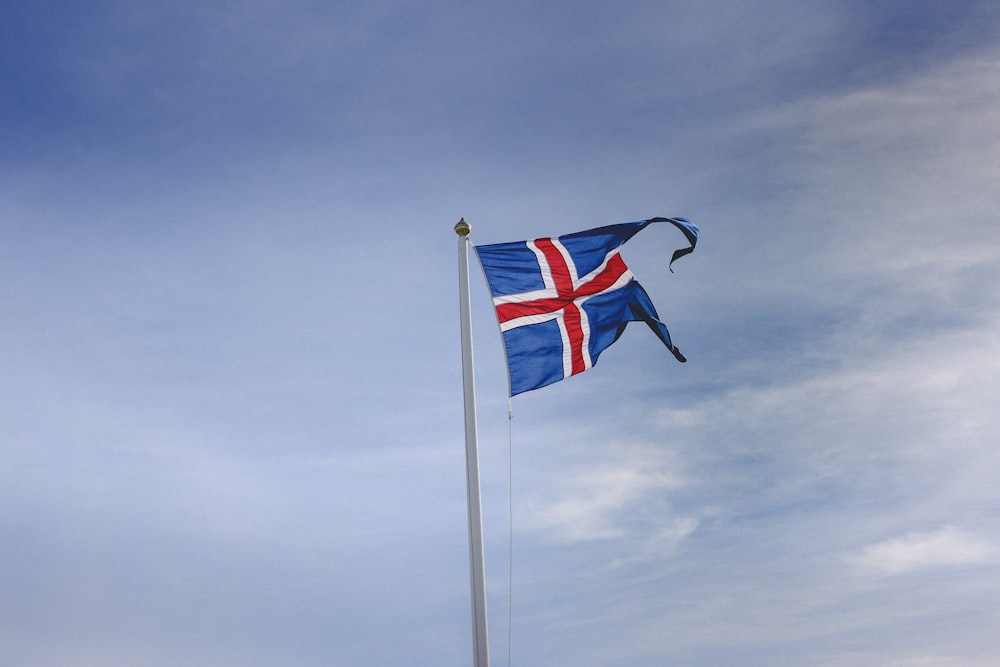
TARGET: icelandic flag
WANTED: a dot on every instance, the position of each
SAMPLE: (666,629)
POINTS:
(561,301)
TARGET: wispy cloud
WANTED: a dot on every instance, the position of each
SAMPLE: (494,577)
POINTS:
(947,547)
(592,503)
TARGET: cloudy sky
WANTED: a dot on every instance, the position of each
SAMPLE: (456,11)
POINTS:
(230,380)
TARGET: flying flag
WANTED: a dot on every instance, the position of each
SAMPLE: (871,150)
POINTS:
(561,301)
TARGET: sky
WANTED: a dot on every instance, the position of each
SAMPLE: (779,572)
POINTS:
(230,376)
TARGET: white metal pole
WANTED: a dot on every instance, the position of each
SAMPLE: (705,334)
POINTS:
(477,563)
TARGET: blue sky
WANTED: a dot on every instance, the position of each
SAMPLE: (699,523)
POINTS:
(230,399)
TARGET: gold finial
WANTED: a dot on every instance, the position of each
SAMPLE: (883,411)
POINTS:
(463,228)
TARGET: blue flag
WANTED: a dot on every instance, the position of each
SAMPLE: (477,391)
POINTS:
(561,301)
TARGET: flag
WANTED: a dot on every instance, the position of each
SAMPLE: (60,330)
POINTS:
(561,301)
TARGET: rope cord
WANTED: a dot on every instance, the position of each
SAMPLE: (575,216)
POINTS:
(510,525)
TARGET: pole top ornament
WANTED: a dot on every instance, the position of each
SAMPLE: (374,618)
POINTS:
(463,228)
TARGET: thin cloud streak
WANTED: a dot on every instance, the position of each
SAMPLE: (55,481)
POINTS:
(948,547)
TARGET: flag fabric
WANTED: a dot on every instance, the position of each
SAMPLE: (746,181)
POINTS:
(561,301)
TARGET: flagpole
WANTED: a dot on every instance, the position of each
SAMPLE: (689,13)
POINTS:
(477,562)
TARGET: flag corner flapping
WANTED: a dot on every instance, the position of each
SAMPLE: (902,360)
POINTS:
(561,301)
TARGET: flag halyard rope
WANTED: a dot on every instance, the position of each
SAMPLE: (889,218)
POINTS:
(510,525)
